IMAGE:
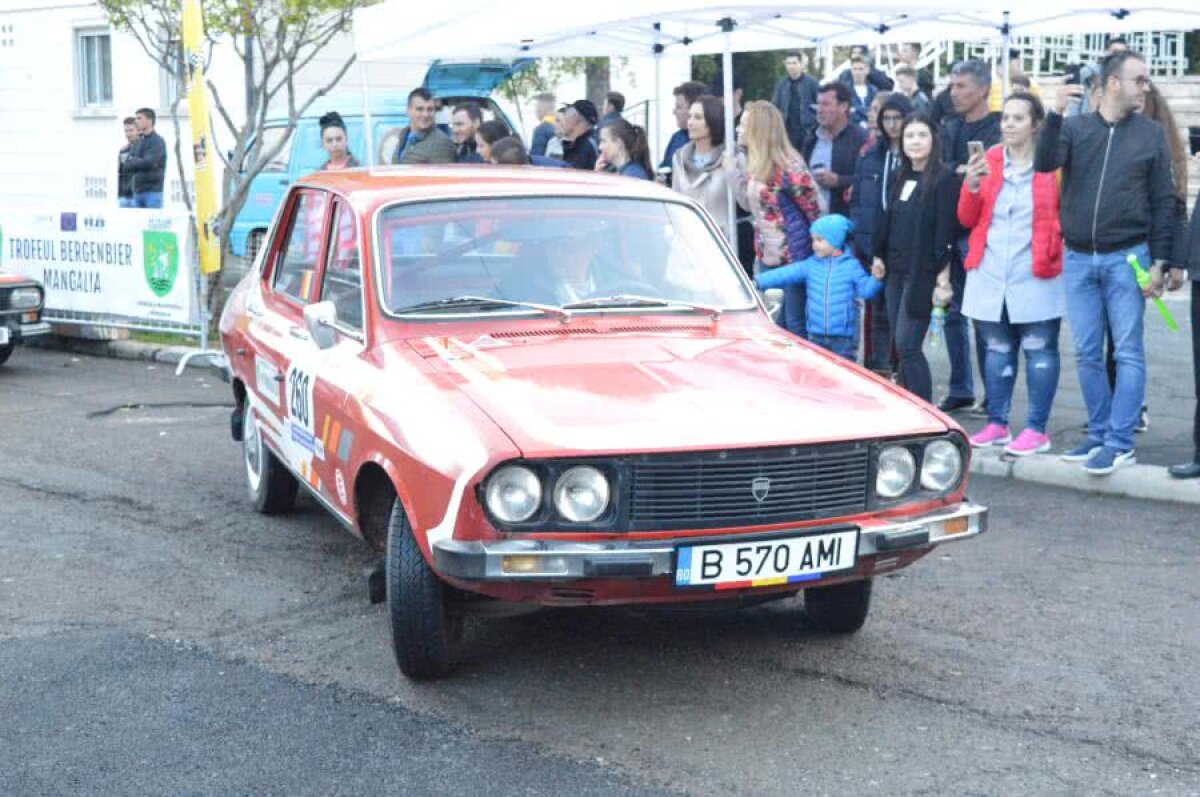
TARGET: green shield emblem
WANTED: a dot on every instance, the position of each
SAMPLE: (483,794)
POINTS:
(160,259)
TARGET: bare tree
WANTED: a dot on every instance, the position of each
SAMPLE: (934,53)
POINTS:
(275,40)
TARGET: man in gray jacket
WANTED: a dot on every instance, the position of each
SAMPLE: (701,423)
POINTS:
(422,142)
(1118,204)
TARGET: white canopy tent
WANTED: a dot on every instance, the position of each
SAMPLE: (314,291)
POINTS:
(402,30)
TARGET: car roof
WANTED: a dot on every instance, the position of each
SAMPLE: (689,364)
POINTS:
(371,187)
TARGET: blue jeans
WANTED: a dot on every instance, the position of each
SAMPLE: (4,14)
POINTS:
(125,202)
(1102,294)
(147,199)
(794,315)
(841,346)
(958,332)
(1039,342)
(793,312)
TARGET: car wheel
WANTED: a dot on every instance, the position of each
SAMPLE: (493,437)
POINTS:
(6,351)
(840,609)
(426,632)
(272,488)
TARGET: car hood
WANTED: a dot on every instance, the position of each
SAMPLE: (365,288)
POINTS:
(563,394)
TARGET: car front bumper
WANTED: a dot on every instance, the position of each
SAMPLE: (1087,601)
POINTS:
(563,560)
(16,331)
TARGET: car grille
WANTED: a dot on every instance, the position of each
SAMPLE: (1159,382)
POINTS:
(717,488)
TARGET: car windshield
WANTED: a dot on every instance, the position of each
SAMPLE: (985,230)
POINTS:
(593,254)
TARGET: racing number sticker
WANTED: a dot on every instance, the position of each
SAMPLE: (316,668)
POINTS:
(300,397)
(306,445)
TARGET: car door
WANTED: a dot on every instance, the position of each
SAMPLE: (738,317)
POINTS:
(342,285)
(286,357)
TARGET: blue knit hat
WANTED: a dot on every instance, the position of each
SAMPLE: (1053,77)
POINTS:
(834,228)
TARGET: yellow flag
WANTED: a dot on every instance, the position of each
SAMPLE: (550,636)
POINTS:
(205,179)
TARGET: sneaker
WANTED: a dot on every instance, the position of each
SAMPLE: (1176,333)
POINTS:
(1081,452)
(1143,421)
(1030,441)
(1105,460)
(991,435)
(953,404)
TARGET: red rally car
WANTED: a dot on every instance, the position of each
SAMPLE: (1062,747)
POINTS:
(559,388)
(20,312)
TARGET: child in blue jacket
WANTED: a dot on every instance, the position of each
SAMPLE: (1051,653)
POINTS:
(835,280)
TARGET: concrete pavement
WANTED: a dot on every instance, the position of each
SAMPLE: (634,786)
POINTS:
(157,636)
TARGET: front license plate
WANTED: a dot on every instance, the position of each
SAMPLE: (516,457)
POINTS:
(3,336)
(767,563)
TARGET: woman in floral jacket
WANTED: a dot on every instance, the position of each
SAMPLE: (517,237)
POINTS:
(772,181)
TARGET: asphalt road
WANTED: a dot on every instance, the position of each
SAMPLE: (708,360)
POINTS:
(157,637)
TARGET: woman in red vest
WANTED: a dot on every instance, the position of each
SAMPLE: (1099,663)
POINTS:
(1014,291)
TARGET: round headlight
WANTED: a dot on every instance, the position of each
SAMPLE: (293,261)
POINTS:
(25,299)
(941,467)
(514,494)
(581,494)
(896,471)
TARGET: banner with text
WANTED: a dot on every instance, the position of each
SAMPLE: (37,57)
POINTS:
(117,261)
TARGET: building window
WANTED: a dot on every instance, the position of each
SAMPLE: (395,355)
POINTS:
(171,80)
(93,54)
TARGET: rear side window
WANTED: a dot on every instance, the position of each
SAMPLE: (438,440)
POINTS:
(342,280)
(296,266)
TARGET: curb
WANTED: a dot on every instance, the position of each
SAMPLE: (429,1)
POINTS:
(1148,482)
(115,349)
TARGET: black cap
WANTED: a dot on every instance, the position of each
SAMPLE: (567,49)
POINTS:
(586,109)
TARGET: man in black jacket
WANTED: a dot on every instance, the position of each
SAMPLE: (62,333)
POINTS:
(832,149)
(125,178)
(579,148)
(147,163)
(1117,204)
(795,96)
(1191,470)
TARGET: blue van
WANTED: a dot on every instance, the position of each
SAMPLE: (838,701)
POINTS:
(451,84)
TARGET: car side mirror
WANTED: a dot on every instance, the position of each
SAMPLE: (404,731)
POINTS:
(319,319)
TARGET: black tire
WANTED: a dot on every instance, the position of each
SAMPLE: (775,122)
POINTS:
(6,351)
(840,609)
(426,632)
(272,488)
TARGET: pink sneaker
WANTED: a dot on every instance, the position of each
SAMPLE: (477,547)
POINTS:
(1028,442)
(991,435)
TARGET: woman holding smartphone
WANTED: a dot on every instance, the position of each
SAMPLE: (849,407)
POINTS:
(914,245)
(1014,291)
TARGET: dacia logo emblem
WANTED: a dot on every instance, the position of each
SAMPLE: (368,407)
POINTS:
(760,487)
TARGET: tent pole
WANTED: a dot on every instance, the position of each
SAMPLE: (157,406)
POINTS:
(727,25)
(657,101)
(368,128)
(1005,43)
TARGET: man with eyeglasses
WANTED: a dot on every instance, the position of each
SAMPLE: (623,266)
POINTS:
(1117,202)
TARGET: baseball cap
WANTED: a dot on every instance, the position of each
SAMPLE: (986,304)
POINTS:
(586,109)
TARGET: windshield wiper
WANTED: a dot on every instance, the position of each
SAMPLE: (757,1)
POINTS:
(481,302)
(628,300)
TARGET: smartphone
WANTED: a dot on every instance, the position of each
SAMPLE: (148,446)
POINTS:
(975,149)
(1194,139)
